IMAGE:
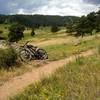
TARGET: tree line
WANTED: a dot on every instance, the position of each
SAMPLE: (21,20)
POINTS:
(38,20)
(89,24)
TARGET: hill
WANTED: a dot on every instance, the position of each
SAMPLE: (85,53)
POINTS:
(38,20)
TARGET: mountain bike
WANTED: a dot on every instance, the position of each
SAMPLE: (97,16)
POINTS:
(29,52)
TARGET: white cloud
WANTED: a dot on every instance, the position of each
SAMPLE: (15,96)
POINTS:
(21,11)
(49,7)
(66,7)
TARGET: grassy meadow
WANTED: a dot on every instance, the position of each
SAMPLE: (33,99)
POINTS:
(79,80)
(64,47)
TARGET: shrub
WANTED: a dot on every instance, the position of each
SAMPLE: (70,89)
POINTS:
(16,33)
(5,27)
(1,31)
(8,58)
(2,38)
(54,29)
(32,33)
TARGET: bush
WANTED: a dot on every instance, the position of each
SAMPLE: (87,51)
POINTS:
(1,31)
(16,33)
(6,27)
(32,33)
(8,58)
(54,29)
(2,38)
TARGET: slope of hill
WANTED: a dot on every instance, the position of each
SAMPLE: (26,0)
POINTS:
(38,20)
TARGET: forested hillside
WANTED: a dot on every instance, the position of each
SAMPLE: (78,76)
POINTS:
(38,20)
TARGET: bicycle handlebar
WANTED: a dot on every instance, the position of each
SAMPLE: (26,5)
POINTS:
(26,43)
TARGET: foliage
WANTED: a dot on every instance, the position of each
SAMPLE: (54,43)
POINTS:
(1,38)
(8,58)
(86,24)
(37,20)
(1,31)
(54,29)
(16,32)
(33,32)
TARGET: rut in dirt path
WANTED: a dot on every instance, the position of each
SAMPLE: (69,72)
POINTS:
(17,84)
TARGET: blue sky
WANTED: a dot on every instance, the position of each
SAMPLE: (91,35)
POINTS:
(49,7)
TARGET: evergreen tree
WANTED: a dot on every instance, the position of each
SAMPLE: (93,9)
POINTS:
(33,32)
(16,32)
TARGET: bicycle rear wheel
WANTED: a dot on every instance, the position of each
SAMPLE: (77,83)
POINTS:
(41,54)
(25,55)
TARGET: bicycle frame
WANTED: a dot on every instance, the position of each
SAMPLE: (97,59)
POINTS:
(32,52)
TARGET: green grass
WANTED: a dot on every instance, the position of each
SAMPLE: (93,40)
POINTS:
(4,28)
(39,32)
(79,80)
(43,33)
(60,51)
(55,52)
(5,75)
(18,70)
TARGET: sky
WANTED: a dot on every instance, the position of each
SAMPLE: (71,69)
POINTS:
(49,7)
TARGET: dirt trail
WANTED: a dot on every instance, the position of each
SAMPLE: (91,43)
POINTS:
(17,84)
